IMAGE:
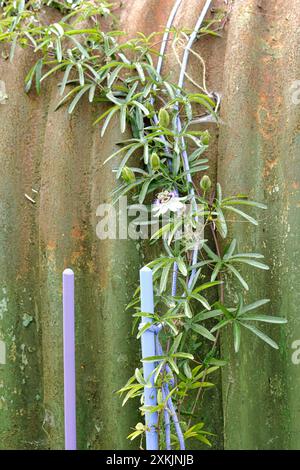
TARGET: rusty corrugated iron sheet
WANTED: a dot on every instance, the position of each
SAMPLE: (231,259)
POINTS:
(255,150)
(61,157)
(259,153)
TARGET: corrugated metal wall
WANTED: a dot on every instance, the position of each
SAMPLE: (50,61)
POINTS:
(254,65)
(259,154)
(62,157)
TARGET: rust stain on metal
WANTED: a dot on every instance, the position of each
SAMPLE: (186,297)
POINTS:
(51,245)
(78,234)
(269,166)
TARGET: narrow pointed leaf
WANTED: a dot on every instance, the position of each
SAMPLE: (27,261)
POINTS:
(238,276)
(201,330)
(261,335)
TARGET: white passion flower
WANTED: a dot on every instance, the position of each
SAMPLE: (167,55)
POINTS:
(167,201)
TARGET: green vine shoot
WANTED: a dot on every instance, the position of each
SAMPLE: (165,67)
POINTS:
(95,62)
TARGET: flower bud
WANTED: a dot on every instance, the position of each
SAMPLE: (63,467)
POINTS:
(163,117)
(155,161)
(128,175)
(205,183)
(205,138)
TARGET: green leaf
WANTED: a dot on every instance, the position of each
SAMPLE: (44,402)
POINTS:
(183,355)
(244,202)
(201,330)
(169,89)
(254,305)
(133,392)
(251,262)
(173,365)
(154,358)
(79,46)
(21,6)
(112,76)
(29,78)
(58,50)
(110,113)
(58,29)
(187,370)
(123,116)
(203,439)
(216,362)
(51,71)
(176,344)
(77,98)
(242,214)
(103,115)
(216,271)
(220,325)
(187,310)
(176,226)
(221,223)
(219,193)
(126,158)
(176,162)
(151,409)
(210,253)
(207,285)
(182,267)
(207,315)
(202,300)
(134,435)
(172,326)
(164,278)
(143,329)
(38,75)
(141,314)
(264,318)
(65,79)
(128,385)
(206,372)
(158,370)
(92,93)
(141,106)
(67,97)
(230,250)
(210,32)
(261,335)
(162,231)
(236,336)
(80,73)
(196,154)
(248,255)
(201,385)
(238,276)
(226,312)
(144,190)
(139,377)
